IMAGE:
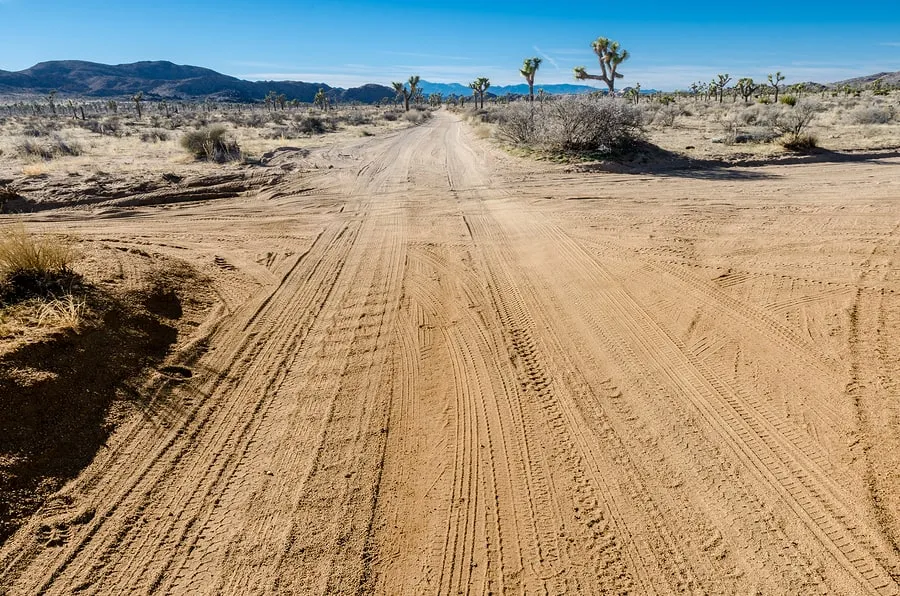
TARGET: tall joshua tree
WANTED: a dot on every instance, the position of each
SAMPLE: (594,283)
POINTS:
(138,99)
(775,80)
(405,93)
(528,70)
(746,87)
(321,100)
(610,55)
(479,86)
(724,79)
(50,101)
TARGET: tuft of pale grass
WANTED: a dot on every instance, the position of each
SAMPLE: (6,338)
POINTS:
(64,312)
(23,253)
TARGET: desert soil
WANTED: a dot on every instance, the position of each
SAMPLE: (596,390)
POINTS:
(434,368)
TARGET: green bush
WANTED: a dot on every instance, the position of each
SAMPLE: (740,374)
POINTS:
(788,100)
(799,142)
(212,144)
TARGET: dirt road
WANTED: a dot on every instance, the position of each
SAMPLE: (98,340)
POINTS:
(437,369)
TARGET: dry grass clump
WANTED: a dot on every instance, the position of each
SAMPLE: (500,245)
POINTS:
(20,251)
(212,144)
(33,266)
(417,115)
(154,135)
(800,142)
(54,146)
(875,114)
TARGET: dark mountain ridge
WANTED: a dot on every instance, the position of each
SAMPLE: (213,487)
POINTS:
(165,80)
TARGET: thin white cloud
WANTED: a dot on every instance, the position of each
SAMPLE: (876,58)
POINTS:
(890,44)
(422,55)
(547,57)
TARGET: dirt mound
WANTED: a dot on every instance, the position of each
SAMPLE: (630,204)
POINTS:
(62,394)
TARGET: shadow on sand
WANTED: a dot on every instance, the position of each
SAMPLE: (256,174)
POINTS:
(647,159)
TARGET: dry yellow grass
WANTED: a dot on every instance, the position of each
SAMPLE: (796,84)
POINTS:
(21,251)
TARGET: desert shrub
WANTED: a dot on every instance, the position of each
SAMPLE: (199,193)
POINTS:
(254,120)
(154,135)
(593,123)
(665,116)
(492,116)
(391,116)
(730,126)
(520,123)
(36,130)
(417,116)
(764,100)
(211,143)
(871,115)
(358,119)
(794,121)
(55,146)
(29,148)
(800,142)
(575,123)
(314,125)
(788,100)
(32,265)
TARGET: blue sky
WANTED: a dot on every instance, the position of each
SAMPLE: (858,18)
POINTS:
(349,43)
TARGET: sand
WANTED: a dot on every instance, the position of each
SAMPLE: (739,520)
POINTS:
(435,368)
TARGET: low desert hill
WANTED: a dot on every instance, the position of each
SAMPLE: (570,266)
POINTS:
(165,80)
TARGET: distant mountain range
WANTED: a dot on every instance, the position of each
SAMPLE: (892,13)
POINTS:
(165,80)
(887,78)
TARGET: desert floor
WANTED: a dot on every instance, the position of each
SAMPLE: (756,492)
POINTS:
(435,368)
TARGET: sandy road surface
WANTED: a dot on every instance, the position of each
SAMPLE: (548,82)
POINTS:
(439,370)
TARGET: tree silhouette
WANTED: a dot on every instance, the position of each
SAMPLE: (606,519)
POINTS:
(746,87)
(720,85)
(479,86)
(405,93)
(138,98)
(321,100)
(775,80)
(528,70)
(610,56)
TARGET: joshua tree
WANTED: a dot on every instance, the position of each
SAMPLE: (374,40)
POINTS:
(746,87)
(138,98)
(720,85)
(321,100)
(405,93)
(271,100)
(413,85)
(610,56)
(528,70)
(112,106)
(479,86)
(775,80)
(50,97)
